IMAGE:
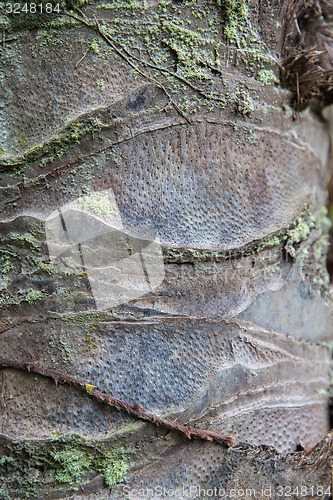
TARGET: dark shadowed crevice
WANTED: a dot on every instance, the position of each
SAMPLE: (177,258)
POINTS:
(307,51)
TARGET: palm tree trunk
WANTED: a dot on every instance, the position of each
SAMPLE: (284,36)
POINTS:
(163,241)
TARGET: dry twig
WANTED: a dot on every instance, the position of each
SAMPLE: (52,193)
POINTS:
(110,42)
(307,51)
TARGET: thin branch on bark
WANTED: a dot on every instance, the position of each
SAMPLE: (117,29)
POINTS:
(126,54)
(133,409)
(123,56)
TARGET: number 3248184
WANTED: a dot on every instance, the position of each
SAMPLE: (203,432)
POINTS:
(32,8)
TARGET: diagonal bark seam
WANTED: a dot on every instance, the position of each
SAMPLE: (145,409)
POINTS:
(130,408)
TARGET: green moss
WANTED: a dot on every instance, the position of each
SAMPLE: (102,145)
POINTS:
(62,340)
(320,247)
(114,465)
(267,77)
(42,267)
(91,340)
(244,41)
(6,266)
(6,460)
(244,103)
(12,264)
(27,240)
(73,464)
(54,149)
(235,12)
(63,463)
(87,321)
(25,256)
(32,296)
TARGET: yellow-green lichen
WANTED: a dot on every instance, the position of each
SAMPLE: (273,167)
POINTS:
(299,230)
(87,321)
(95,46)
(267,77)
(101,84)
(62,340)
(97,204)
(314,256)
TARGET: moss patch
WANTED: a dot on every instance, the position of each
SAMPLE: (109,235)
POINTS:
(87,321)
(53,149)
(235,12)
(244,104)
(32,296)
(267,77)
(183,45)
(35,469)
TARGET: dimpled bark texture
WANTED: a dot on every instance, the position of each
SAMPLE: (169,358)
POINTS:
(210,164)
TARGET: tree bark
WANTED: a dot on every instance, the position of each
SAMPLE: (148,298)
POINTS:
(155,137)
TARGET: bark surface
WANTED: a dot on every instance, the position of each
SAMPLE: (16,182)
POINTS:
(162,125)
